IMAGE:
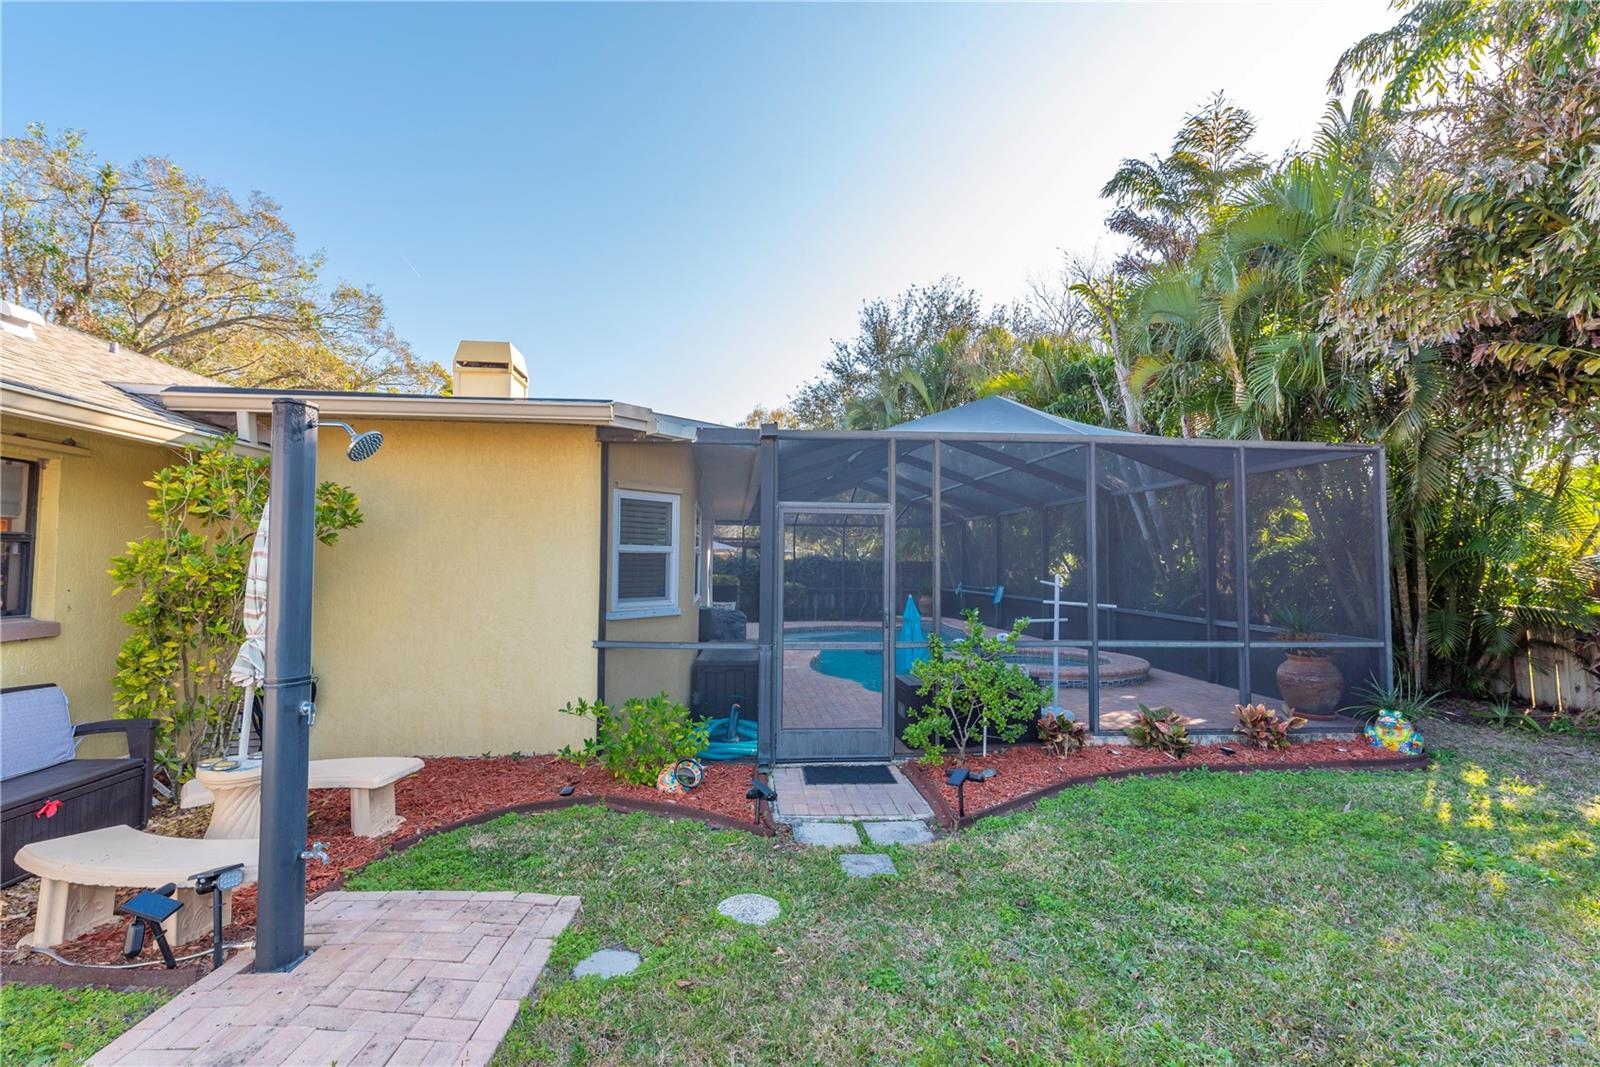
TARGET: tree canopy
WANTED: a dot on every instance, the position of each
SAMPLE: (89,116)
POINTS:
(180,269)
(1424,274)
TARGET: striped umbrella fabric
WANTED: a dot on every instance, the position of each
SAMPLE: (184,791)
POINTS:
(250,665)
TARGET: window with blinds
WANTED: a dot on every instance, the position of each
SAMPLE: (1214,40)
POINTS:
(644,558)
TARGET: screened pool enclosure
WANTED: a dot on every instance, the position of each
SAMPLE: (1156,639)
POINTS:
(1194,574)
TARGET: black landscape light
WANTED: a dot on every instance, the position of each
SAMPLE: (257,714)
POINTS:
(958,778)
(148,911)
(761,793)
(217,882)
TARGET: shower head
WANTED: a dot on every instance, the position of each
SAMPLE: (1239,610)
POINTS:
(362,445)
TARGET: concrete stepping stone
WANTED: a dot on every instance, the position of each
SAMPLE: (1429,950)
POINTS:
(828,834)
(905,832)
(607,963)
(752,909)
(867,865)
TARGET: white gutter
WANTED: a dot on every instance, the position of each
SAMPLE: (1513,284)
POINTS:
(444,408)
(21,401)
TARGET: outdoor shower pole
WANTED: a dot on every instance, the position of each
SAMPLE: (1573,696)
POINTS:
(286,730)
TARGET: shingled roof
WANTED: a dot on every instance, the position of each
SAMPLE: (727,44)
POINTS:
(56,363)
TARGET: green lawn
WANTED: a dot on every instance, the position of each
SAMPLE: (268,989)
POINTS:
(1448,916)
(41,1024)
(1451,916)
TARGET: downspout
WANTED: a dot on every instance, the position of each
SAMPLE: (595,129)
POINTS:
(605,570)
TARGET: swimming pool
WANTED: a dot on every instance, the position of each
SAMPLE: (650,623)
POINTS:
(864,666)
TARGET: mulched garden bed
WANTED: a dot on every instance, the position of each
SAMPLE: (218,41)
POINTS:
(447,792)
(1027,773)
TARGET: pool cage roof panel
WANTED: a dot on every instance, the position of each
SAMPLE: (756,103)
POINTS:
(996,456)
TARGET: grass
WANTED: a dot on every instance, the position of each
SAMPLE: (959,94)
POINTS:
(1451,916)
(1317,917)
(42,1024)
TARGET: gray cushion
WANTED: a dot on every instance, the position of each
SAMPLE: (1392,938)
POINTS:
(35,730)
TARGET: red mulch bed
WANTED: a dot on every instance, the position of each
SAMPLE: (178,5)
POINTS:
(1025,773)
(447,791)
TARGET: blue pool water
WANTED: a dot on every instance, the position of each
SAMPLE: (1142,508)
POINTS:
(864,666)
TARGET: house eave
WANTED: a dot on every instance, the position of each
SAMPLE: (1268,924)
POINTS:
(21,401)
(604,413)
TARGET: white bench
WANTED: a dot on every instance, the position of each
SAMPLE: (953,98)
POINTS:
(80,875)
(236,795)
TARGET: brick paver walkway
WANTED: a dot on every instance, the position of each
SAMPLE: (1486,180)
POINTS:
(405,977)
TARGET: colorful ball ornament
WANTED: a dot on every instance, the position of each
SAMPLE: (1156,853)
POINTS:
(1394,733)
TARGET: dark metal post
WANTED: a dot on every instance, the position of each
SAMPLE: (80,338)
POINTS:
(1241,574)
(771,600)
(937,506)
(286,741)
(1092,519)
(1208,570)
(1381,532)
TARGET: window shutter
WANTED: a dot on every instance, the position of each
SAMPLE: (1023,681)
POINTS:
(642,576)
(645,522)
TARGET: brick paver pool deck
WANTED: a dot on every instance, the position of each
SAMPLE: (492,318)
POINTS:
(403,977)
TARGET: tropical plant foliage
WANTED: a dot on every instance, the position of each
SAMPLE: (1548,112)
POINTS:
(1162,729)
(1424,274)
(188,577)
(1263,727)
(970,690)
(639,740)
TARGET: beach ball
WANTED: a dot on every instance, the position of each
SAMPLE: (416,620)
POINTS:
(1393,732)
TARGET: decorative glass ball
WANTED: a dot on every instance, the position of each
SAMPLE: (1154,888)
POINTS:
(1393,732)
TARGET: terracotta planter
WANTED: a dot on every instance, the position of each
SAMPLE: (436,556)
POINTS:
(1311,685)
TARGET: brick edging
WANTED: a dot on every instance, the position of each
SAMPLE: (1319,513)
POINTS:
(948,818)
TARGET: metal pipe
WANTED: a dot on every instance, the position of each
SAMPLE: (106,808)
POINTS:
(286,741)
(1092,550)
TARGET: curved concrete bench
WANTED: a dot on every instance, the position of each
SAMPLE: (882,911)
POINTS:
(80,875)
(236,795)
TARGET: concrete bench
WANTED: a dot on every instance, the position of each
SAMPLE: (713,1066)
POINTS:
(236,795)
(80,875)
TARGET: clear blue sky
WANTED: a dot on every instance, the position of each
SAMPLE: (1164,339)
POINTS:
(677,206)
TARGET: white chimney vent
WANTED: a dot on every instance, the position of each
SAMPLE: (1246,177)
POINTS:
(490,368)
(18,320)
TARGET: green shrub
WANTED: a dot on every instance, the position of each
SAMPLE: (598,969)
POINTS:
(970,688)
(188,580)
(1263,727)
(1060,734)
(634,742)
(725,588)
(1160,728)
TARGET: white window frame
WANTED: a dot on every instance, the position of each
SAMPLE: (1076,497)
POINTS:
(654,607)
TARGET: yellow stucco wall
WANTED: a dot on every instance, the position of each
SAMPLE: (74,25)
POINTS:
(90,507)
(656,468)
(455,620)
(461,614)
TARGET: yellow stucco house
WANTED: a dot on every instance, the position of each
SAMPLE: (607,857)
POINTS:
(455,621)
(520,553)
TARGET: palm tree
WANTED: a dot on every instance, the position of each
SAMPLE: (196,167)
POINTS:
(1164,203)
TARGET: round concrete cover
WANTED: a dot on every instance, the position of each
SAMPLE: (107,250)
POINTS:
(752,909)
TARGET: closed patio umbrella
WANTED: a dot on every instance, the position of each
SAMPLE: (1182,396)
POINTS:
(250,665)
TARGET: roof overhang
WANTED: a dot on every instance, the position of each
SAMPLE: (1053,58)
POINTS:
(200,400)
(22,401)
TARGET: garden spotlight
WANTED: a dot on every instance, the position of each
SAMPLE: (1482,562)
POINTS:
(217,882)
(761,793)
(149,910)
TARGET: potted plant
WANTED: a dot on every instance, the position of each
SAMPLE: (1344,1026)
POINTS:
(1308,678)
